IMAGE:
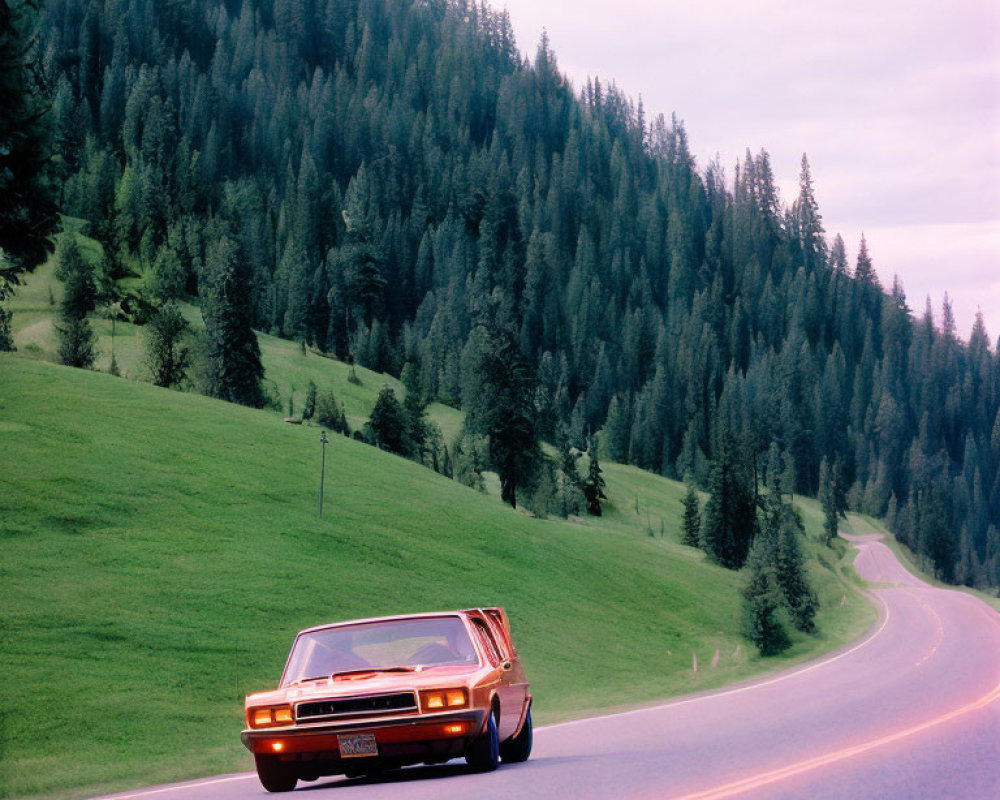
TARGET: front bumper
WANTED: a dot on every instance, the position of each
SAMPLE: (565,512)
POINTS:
(391,733)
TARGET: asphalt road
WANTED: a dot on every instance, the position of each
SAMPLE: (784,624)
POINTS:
(909,711)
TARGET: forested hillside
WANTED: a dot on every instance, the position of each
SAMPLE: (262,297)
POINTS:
(391,181)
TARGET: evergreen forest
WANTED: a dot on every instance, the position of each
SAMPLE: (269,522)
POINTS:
(394,183)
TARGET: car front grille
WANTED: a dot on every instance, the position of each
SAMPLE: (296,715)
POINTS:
(362,706)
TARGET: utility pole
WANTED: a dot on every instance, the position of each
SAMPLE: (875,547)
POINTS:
(114,310)
(322,471)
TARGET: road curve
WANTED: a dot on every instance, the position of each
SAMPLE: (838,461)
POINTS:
(909,711)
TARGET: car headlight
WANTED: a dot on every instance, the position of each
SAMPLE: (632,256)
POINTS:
(270,716)
(441,699)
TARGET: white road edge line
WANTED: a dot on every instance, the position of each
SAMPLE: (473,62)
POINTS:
(744,785)
(739,690)
(180,787)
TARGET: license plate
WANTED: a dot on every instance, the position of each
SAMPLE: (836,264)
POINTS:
(355,746)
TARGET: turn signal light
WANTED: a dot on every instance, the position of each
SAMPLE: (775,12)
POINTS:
(444,698)
(270,716)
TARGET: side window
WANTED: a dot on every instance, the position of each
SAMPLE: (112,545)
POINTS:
(486,641)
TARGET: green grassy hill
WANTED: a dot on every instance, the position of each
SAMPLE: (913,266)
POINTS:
(160,550)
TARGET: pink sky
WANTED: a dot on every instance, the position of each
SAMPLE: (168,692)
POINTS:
(896,103)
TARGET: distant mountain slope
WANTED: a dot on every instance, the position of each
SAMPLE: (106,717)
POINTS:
(393,169)
(160,550)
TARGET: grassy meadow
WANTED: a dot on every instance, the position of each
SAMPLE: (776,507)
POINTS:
(160,550)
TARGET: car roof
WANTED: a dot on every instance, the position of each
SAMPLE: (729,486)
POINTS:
(394,618)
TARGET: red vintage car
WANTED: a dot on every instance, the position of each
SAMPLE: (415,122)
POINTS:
(360,697)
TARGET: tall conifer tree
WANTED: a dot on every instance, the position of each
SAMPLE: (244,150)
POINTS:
(233,369)
(27,198)
(76,337)
(729,520)
(499,403)
(864,271)
(808,220)
(691,522)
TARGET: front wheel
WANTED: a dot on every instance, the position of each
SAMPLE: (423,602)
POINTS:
(275,776)
(515,750)
(483,754)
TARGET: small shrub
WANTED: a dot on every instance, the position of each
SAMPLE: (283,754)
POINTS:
(6,333)
(309,404)
(330,413)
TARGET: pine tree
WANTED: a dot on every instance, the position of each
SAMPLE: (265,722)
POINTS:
(166,355)
(800,598)
(309,404)
(498,398)
(828,500)
(78,277)
(233,370)
(838,255)
(386,427)
(762,599)
(691,535)
(729,519)
(781,528)
(468,461)
(330,413)
(864,272)
(417,431)
(76,337)
(446,465)
(615,436)
(571,497)
(169,276)
(542,499)
(76,342)
(593,486)
(27,197)
(360,260)
(934,539)
(808,221)
(6,332)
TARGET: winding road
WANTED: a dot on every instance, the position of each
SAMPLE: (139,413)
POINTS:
(910,711)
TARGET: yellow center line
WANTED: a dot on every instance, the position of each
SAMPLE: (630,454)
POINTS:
(939,633)
(767,778)
(792,770)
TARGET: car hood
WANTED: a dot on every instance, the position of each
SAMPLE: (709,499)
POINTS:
(372,683)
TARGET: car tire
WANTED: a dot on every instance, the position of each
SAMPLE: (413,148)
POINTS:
(275,776)
(516,750)
(483,754)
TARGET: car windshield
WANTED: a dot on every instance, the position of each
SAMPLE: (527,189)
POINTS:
(392,644)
